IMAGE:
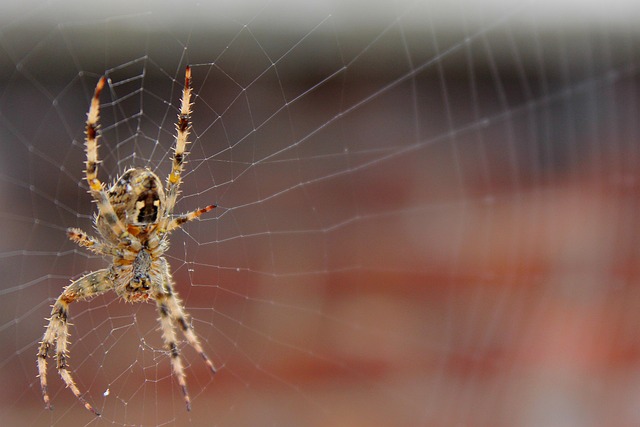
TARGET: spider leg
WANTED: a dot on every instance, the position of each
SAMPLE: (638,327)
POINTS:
(96,187)
(90,242)
(178,221)
(183,127)
(181,318)
(57,331)
(169,337)
(172,313)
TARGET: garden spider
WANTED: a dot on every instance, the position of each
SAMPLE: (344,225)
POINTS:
(134,220)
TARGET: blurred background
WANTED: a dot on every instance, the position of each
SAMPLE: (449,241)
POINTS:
(427,210)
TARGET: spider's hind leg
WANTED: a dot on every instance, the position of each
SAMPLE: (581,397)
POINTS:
(183,127)
(91,139)
(96,188)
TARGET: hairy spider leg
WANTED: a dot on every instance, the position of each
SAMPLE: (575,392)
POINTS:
(96,188)
(181,318)
(58,330)
(170,340)
(183,127)
(172,314)
(91,243)
(178,221)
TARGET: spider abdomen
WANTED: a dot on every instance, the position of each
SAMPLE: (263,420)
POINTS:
(137,198)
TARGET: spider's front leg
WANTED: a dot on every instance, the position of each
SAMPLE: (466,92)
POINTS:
(57,331)
(171,314)
(170,340)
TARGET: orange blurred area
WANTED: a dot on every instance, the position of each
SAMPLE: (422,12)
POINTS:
(530,320)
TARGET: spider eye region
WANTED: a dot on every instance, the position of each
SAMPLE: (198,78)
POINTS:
(141,281)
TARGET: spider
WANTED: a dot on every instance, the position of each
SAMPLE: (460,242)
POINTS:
(134,220)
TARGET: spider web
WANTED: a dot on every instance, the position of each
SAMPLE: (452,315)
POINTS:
(426,212)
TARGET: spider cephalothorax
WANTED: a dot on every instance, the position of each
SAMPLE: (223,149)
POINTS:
(134,219)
